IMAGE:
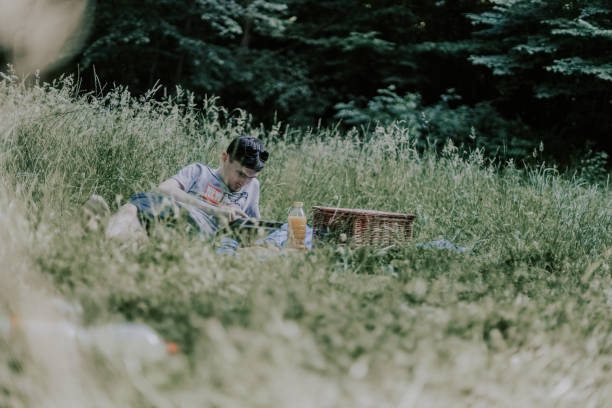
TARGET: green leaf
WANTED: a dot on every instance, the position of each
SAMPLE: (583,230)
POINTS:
(501,64)
(569,66)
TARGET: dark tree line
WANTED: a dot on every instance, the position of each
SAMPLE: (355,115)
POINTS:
(511,73)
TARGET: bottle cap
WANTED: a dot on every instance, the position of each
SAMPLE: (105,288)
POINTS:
(172,347)
(298,204)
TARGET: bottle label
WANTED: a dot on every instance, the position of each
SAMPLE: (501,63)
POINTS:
(296,231)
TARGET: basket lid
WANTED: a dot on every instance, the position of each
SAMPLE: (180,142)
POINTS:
(359,211)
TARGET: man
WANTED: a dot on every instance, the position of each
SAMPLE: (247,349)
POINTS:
(206,197)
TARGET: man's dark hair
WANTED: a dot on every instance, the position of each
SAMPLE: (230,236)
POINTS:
(248,151)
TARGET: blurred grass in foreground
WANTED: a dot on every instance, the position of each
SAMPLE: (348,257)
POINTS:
(522,320)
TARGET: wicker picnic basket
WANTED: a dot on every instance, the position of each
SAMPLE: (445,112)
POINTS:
(361,227)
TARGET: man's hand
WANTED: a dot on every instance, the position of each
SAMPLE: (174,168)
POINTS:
(231,213)
(175,190)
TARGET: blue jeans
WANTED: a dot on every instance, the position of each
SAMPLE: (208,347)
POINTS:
(155,207)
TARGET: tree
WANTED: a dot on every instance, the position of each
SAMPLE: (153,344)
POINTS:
(552,65)
(209,46)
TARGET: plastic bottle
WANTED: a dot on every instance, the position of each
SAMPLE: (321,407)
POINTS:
(130,340)
(125,340)
(296,229)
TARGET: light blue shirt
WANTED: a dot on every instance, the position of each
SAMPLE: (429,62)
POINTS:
(207,185)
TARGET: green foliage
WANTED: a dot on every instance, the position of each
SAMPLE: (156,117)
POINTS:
(534,290)
(294,57)
(552,50)
(480,126)
(208,46)
(542,63)
(592,165)
(576,65)
(227,17)
(385,107)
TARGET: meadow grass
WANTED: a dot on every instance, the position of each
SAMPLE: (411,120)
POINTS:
(520,320)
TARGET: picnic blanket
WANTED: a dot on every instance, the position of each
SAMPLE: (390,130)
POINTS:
(277,238)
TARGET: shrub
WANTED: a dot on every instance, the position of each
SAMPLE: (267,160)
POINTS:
(479,126)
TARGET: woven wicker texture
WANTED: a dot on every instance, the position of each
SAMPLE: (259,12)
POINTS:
(361,227)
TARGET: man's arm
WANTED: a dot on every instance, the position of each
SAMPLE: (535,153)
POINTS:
(172,188)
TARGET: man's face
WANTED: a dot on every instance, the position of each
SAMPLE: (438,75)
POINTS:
(236,175)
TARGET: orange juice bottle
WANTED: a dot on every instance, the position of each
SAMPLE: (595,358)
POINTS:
(296,231)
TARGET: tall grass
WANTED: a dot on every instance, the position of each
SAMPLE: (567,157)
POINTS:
(519,320)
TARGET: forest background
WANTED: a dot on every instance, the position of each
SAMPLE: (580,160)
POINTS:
(521,317)
(509,76)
